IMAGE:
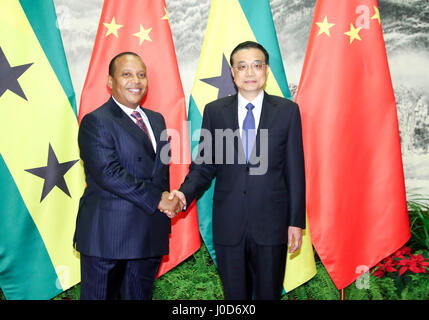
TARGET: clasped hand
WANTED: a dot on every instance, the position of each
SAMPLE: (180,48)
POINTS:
(171,204)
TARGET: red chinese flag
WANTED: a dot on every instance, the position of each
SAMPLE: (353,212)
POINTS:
(142,26)
(356,202)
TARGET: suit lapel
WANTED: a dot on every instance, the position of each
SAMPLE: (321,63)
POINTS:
(231,121)
(268,114)
(157,128)
(233,114)
(129,126)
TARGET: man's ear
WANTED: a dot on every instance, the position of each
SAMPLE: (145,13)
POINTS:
(109,81)
(232,72)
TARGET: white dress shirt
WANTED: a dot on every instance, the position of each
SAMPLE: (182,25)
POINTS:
(129,111)
(242,111)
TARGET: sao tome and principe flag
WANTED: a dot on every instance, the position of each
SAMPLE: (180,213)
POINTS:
(230,23)
(356,202)
(41,177)
(142,26)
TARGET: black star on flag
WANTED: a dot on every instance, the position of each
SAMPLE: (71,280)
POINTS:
(53,174)
(9,76)
(224,82)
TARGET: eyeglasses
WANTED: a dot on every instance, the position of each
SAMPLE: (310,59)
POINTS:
(256,66)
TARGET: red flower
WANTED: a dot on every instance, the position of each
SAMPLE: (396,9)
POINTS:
(389,264)
(379,272)
(403,270)
(416,263)
(401,252)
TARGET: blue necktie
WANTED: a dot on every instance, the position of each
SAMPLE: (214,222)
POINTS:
(249,132)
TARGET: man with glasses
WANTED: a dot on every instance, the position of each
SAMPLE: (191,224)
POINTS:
(256,216)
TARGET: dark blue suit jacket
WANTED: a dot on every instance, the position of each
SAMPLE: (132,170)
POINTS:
(263,203)
(118,216)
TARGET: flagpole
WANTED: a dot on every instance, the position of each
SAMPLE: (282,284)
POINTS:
(342,294)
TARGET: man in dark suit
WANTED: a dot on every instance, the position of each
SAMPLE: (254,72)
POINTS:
(259,196)
(121,233)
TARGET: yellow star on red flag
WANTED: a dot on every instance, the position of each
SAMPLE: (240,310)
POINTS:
(353,33)
(324,26)
(112,28)
(165,17)
(376,15)
(143,34)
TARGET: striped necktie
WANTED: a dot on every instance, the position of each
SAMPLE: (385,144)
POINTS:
(136,115)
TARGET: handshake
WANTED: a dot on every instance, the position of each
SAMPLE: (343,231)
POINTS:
(172,203)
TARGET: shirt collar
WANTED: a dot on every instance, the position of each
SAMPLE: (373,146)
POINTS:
(126,109)
(257,102)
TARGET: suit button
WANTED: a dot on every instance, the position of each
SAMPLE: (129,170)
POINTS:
(244,192)
(139,159)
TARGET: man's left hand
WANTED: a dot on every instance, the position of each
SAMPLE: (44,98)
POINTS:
(294,238)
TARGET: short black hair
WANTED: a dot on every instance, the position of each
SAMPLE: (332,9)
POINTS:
(112,62)
(248,45)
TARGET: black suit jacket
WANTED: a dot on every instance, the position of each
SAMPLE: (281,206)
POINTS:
(118,216)
(262,202)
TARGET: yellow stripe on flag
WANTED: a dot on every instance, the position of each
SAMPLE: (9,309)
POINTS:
(28,127)
(300,265)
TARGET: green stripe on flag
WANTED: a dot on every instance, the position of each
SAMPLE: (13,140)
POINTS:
(37,260)
(46,29)
(21,243)
(196,120)
(265,33)
(205,202)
